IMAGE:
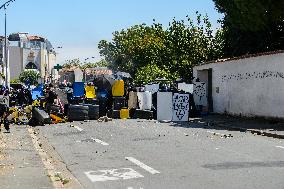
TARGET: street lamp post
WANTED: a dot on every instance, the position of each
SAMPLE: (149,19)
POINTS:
(55,67)
(4,6)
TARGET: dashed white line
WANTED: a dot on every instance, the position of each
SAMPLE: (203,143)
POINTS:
(100,142)
(280,147)
(78,128)
(142,165)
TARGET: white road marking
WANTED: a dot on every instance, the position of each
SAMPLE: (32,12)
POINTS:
(280,147)
(100,142)
(142,165)
(78,128)
(113,174)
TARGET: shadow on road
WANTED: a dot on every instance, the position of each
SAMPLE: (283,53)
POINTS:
(242,165)
(221,122)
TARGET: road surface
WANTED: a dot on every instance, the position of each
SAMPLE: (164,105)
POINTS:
(142,154)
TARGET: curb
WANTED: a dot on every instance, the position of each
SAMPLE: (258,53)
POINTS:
(254,131)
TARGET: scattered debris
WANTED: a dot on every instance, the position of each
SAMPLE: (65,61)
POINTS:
(58,177)
(221,135)
(185,134)
(104,119)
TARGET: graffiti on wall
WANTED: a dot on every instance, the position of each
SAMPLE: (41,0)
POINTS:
(253,75)
(180,107)
(199,93)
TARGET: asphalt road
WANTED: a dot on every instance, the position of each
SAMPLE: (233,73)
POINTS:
(136,154)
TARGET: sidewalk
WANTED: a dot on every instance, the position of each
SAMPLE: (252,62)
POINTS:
(257,126)
(20,164)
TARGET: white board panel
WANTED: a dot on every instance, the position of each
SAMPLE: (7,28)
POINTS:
(180,107)
(164,106)
(4,100)
(144,100)
(200,93)
(78,75)
(185,87)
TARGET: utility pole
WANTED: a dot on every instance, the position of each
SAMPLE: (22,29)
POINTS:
(6,51)
(4,6)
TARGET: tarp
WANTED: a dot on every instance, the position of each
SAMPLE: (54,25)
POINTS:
(78,89)
(152,88)
(90,92)
(104,82)
(37,92)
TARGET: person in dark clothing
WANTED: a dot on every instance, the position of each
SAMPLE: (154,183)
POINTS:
(4,112)
(69,94)
(29,98)
(21,97)
(51,96)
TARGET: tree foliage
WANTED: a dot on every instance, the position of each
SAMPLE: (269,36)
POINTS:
(101,63)
(252,26)
(72,63)
(30,76)
(83,65)
(14,81)
(151,72)
(171,51)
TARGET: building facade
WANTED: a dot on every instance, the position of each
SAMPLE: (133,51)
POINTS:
(30,52)
(249,86)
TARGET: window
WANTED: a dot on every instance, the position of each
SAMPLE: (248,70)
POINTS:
(31,65)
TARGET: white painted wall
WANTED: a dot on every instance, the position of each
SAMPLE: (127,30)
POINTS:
(250,86)
(15,60)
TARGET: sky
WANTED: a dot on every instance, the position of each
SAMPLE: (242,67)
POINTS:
(78,26)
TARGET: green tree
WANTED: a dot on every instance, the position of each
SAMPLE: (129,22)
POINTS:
(252,26)
(30,75)
(189,43)
(101,63)
(150,73)
(134,47)
(72,63)
(174,50)
(15,81)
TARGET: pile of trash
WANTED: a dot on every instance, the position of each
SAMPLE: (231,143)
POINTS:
(104,99)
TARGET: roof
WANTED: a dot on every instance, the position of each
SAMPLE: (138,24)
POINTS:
(93,71)
(244,57)
(18,36)
(36,38)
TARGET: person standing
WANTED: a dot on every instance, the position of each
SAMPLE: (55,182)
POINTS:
(4,112)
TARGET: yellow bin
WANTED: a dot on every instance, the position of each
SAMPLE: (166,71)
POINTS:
(118,88)
(124,113)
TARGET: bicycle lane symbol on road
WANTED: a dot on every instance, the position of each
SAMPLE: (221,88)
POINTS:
(113,174)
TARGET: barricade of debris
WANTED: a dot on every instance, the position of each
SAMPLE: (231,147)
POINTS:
(103,99)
